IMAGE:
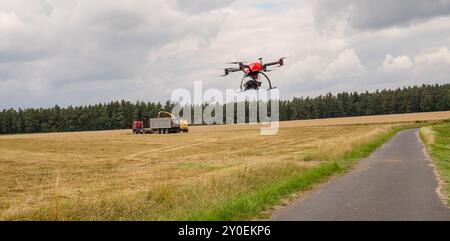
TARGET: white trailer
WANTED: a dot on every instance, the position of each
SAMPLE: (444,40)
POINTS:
(167,123)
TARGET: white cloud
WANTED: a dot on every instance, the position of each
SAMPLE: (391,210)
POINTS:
(177,49)
(430,66)
(317,74)
(347,65)
(9,22)
(400,64)
(433,65)
(437,57)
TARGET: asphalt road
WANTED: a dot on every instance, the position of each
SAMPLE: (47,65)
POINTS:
(397,182)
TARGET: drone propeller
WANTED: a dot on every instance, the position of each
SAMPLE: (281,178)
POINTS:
(282,60)
(237,62)
(227,71)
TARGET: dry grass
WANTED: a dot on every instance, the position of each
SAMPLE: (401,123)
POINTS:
(437,141)
(428,135)
(115,175)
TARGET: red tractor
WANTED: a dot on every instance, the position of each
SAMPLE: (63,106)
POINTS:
(138,127)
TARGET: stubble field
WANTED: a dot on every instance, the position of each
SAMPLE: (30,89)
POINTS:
(212,172)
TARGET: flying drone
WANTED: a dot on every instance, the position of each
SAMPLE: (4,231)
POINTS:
(252,73)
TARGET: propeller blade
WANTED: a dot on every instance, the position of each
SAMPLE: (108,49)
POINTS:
(237,62)
(282,61)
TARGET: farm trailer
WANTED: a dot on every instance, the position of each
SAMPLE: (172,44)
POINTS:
(164,124)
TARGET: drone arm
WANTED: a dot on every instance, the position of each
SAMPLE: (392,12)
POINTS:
(272,63)
(279,62)
(231,70)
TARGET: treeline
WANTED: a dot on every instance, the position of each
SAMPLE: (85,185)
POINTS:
(120,114)
(113,115)
(402,100)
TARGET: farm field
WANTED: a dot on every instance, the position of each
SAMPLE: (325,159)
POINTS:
(115,175)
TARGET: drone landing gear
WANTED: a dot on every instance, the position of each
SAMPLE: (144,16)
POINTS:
(251,86)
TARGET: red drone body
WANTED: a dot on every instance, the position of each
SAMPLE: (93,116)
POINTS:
(254,67)
(252,72)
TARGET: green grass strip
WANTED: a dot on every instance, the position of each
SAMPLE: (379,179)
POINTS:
(440,153)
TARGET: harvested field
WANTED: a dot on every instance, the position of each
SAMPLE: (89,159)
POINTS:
(115,175)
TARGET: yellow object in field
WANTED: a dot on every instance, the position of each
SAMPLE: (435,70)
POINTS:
(165,114)
(184,125)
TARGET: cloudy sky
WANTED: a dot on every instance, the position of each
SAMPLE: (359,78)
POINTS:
(76,52)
